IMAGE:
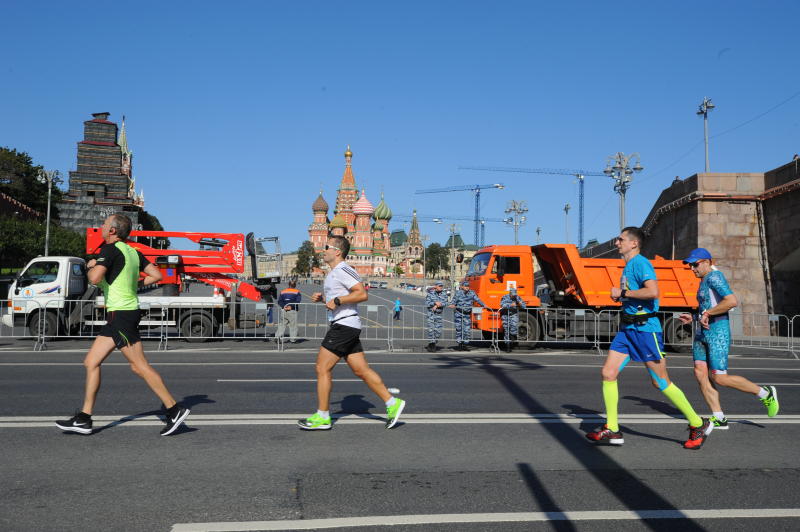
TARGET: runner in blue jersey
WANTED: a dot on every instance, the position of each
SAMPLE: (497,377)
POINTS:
(640,339)
(712,340)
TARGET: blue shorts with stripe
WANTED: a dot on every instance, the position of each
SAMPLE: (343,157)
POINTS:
(640,346)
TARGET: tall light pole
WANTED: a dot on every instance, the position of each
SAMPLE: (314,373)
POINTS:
(538,234)
(566,222)
(48,176)
(618,168)
(517,208)
(704,108)
(453,228)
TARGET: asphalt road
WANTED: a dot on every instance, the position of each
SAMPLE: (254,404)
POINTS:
(487,443)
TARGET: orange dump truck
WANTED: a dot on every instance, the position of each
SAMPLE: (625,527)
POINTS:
(567,294)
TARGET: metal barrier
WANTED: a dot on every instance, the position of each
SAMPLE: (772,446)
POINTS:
(168,320)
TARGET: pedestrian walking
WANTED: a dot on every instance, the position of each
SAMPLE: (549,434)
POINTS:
(640,339)
(116,272)
(342,292)
(712,340)
(462,304)
(435,301)
(288,303)
(398,307)
(510,305)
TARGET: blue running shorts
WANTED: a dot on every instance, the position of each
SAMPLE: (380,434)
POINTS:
(712,347)
(640,346)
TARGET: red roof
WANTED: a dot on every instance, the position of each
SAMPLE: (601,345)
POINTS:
(97,143)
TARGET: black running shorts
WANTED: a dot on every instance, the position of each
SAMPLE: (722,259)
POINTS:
(123,327)
(342,340)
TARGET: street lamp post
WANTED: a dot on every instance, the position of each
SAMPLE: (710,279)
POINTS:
(704,108)
(620,171)
(453,228)
(48,176)
(518,208)
(566,221)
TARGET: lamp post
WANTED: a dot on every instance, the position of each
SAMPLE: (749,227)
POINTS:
(538,234)
(566,222)
(453,228)
(704,108)
(518,208)
(48,176)
(618,168)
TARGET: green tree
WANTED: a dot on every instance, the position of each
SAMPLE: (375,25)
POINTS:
(19,179)
(151,223)
(437,258)
(398,270)
(24,239)
(307,259)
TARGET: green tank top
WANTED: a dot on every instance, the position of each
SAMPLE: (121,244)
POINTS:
(121,294)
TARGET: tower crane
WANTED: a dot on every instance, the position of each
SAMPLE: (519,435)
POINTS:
(475,189)
(579,174)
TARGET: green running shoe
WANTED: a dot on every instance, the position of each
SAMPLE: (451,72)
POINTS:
(771,401)
(719,424)
(315,422)
(393,412)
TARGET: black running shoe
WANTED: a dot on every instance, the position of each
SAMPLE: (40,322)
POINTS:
(80,423)
(175,416)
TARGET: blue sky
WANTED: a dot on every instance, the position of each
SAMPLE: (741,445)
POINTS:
(238,112)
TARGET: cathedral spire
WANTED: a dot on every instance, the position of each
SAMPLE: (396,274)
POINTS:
(122,141)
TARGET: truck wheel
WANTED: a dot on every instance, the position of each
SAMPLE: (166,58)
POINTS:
(677,336)
(49,324)
(487,335)
(197,328)
(528,331)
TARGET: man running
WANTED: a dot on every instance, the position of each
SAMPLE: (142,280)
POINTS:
(712,340)
(640,338)
(343,291)
(116,272)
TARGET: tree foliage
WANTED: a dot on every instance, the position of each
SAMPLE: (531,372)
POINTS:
(307,259)
(150,223)
(24,239)
(437,258)
(398,270)
(19,179)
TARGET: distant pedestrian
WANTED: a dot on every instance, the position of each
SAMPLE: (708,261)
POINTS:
(398,307)
(288,303)
(510,305)
(712,340)
(116,272)
(343,290)
(435,301)
(462,304)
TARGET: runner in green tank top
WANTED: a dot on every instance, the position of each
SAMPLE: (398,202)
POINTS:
(116,272)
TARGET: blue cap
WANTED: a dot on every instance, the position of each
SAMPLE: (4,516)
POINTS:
(697,254)
(464,283)
(439,283)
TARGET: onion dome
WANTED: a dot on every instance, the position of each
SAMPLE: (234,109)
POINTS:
(320,205)
(377,226)
(382,211)
(363,206)
(338,221)
(348,153)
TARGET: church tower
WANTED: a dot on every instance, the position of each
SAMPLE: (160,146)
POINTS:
(414,248)
(348,193)
(361,249)
(318,230)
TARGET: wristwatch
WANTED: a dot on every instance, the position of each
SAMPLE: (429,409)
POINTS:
(337,301)
(623,293)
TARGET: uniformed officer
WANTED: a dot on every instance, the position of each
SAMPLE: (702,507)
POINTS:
(435,301)
(462,314)
(510,305)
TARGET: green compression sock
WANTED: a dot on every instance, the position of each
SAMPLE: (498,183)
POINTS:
(611,398)
(681,403)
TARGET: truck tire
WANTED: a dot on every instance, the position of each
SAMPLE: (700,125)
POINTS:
(677,336)
(528,330)
(197,327)
(49,324)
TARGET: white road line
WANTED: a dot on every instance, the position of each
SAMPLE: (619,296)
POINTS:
(516,517)
(418,419)
(285,380)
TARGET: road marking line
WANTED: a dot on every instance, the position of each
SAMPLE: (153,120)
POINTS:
(420,419)
(285,380)
(429,519)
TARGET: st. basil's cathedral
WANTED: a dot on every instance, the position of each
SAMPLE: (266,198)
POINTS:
(374,250)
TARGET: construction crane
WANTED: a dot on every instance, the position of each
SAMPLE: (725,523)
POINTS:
(475,189)
(439,219)
(579,174)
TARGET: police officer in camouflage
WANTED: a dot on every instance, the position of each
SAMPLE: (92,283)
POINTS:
(462,314)
(510,305)
(435,301)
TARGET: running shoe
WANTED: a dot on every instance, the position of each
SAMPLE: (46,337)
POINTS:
(175,416)
(315,422)
(698,435)
(80,423)
(719,424)
(606,434)
(393,413)
(771,401)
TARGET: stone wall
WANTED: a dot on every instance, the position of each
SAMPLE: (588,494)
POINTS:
(782,217)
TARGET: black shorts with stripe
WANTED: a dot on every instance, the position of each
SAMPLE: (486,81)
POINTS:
(342,340)
(123,327)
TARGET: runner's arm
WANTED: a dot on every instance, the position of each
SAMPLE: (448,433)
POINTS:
(152,274)
(728,302)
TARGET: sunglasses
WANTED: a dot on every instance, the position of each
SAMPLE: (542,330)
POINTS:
(694,264)
(327,247)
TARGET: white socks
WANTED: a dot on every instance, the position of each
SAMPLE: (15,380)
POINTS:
(391,401)
(324,413)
